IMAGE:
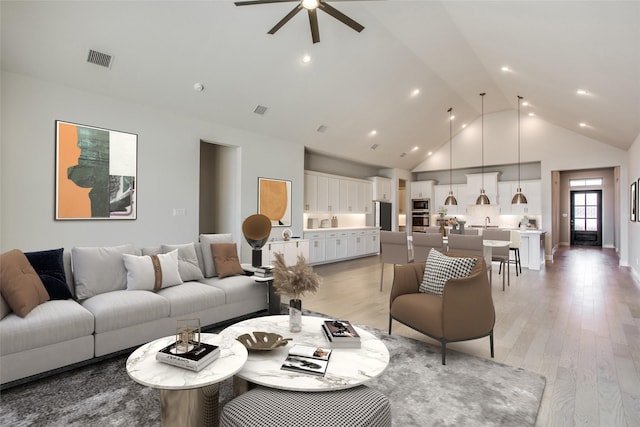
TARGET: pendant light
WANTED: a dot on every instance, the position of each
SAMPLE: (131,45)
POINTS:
(482,198)
(519,198)
(451,199)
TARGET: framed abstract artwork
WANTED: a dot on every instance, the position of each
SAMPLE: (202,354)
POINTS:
(633,201)
(274,200)
(95,173)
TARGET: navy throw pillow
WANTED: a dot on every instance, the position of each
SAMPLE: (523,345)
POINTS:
(50,268)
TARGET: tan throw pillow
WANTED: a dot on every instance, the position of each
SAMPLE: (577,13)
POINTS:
(225,259)
(20,285)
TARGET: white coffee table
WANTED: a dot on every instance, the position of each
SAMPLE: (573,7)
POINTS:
(187,398)
(347,367)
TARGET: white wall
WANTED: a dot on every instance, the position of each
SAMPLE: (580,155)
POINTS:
(554,147)
(634,227)
(168,169)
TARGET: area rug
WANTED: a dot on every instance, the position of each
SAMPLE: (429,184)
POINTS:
(468,391)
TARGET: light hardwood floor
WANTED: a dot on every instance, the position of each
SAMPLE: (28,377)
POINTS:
(576,321)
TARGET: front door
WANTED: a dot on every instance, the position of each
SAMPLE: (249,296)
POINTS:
(586,218)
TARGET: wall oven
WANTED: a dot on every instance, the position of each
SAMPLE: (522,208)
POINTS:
(420,221)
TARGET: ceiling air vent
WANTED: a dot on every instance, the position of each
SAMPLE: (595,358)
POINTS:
(322,128)
(403,154)
(374,146)
(260,109)
(99,58)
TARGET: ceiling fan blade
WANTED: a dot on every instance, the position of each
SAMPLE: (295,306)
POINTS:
(286,19)
(252,2)
(340,16)
(313,21)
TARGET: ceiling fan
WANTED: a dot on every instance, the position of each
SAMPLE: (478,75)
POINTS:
(312,6)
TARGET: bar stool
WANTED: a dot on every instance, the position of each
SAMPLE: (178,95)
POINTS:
(515,248)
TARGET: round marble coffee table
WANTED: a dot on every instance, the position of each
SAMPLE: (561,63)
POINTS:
(348,367)
(187,398)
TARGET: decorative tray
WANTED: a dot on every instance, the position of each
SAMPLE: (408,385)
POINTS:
(262,341)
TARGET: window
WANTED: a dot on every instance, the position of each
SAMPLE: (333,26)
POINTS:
(588,182)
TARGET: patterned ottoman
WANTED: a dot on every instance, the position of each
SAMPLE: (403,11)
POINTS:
(266,407)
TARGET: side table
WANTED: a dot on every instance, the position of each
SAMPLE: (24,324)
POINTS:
(187,398)
(273,299)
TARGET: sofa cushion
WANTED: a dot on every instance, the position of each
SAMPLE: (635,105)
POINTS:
(49,323)
(439,268)
(152,272)
(238,288)
(121,309)
(5,310)
(191,297)
(206,240)
(225,258)
(97,270)
(20,285)
(50,267)
(187,261)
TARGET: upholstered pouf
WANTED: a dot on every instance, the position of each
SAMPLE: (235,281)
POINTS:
(266,407)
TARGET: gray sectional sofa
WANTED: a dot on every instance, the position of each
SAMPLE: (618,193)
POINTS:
(111,312)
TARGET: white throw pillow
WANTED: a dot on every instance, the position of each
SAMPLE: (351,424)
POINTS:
(97,270)
(207,257)
(142,275)
(187,261)
(439,269)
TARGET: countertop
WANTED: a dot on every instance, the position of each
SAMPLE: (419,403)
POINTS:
(364,227)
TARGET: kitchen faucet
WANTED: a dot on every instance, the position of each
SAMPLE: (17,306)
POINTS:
(487,220)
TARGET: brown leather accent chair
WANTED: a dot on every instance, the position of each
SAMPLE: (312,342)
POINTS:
(464,312)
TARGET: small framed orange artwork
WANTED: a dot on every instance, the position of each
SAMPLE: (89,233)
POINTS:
(95,173)
(274,200)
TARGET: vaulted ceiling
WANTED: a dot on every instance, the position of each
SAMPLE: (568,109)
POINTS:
(354,82)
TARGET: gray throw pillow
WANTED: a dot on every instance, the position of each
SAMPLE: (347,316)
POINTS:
(187,261)
(439,269)
(97,270)
(207,257)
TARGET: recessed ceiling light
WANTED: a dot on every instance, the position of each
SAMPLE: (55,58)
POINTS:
(414,148)
(306,58)
(452,117)
(429,153)
(415,92)
(582,92)
(505,69)
(464,125)
(198,87)
(373,133)
(532,114)
(525,103)
(583,125)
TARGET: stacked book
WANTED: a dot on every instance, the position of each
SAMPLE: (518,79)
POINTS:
(307,359)
(264,271)
(341,334)
(198,356)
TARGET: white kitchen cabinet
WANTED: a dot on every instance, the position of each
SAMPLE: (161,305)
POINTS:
(381,189)
(327,194)
(423,190)
(475,183)
(290,249)
(532,191)
(356,243)
(372,242)
(441,192)
(364,197)
(336,245)
(310,192)
(340,244)
(348,196)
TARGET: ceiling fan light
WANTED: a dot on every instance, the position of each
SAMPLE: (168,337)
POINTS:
(451,200)
(519,198)
(482,199)
(310,4)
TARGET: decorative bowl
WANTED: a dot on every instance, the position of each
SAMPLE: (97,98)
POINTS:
(262,341)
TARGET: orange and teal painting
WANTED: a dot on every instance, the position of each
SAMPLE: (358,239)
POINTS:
(95,172)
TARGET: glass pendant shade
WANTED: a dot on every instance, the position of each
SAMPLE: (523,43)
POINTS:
(519,198)
(482,198)
(451,199)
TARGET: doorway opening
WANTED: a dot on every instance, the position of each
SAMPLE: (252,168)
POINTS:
(586,218)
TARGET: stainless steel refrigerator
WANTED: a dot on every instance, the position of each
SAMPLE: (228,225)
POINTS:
(383,215)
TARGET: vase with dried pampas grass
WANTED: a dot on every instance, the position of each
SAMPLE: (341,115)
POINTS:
(294,281)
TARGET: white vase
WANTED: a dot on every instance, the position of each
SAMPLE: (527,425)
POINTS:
(295,315)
